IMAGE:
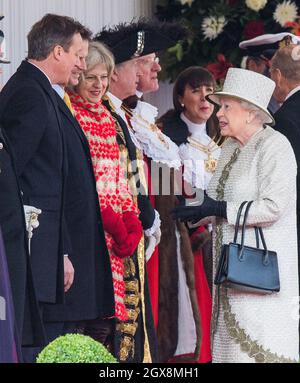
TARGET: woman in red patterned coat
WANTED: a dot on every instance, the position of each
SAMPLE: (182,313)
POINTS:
(122,227)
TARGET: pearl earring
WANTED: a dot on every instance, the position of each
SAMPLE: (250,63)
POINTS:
(182,105)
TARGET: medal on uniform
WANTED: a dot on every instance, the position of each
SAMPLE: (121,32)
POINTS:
(210,164)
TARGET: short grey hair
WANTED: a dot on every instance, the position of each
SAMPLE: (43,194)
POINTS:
(261,116)
(287,61)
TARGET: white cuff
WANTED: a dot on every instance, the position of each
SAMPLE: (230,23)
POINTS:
(155,226)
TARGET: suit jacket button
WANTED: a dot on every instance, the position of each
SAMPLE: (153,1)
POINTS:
(1,145)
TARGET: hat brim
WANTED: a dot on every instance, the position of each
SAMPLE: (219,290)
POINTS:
(214,99)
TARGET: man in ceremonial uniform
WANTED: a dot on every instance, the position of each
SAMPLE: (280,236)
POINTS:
(259,52)
(128,43)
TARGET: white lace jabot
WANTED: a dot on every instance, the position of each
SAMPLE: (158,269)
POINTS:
(193,158)
(154,143)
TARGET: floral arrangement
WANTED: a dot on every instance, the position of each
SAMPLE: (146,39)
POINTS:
(75,348)
(218,26)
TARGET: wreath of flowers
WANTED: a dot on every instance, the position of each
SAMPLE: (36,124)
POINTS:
(218,26)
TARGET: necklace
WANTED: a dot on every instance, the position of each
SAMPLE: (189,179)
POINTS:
(145,124)
(210,163)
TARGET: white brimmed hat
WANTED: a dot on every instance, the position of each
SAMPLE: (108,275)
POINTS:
(249,86)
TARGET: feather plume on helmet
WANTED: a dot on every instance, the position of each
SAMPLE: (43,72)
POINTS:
(3,59)
(140,38)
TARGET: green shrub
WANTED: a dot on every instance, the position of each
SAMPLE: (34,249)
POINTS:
(75,348)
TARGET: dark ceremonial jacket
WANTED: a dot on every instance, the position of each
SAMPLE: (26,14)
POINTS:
(12,222)
(147,217)
(91,295)
(30,120)
(147,214)
(287,122)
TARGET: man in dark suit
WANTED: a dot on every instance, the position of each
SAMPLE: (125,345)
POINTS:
(28,329)
(91,295)
(31,122)
(285,71)
(22,324)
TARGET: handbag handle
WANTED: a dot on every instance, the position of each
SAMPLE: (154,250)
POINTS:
(237,222)
(258,231)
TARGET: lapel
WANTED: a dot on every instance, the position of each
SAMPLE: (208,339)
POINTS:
(72,120)
(291,102)
(30,70)
(122,124)
(3,140)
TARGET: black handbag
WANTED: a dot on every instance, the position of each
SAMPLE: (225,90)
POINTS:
(245,268)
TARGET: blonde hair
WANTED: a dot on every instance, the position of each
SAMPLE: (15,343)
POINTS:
(98,53)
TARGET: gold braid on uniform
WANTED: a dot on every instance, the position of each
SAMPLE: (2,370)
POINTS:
(132,299)
(134,290)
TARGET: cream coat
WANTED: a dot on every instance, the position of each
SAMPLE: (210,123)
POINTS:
(252,327)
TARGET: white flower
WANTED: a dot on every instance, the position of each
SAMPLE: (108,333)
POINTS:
(212,26)
(189,2)
(256,5)
(285,12)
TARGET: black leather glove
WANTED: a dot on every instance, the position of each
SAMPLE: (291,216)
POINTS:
(209,207)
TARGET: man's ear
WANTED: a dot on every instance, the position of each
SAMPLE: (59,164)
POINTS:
(114,75)
(57,52)
(277,75)
(281,77)
(251,65)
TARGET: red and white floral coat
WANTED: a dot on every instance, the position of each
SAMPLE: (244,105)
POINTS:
(112,187)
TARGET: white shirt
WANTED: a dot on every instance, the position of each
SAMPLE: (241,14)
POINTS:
(59,90)
(196,130)
(139,94)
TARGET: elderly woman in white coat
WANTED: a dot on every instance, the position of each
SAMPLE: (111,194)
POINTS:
(257,163)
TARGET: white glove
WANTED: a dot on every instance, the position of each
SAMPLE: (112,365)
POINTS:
(31,218)
(150,247)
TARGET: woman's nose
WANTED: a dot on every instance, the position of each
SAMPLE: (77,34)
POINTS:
(203,93)
(219,112)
